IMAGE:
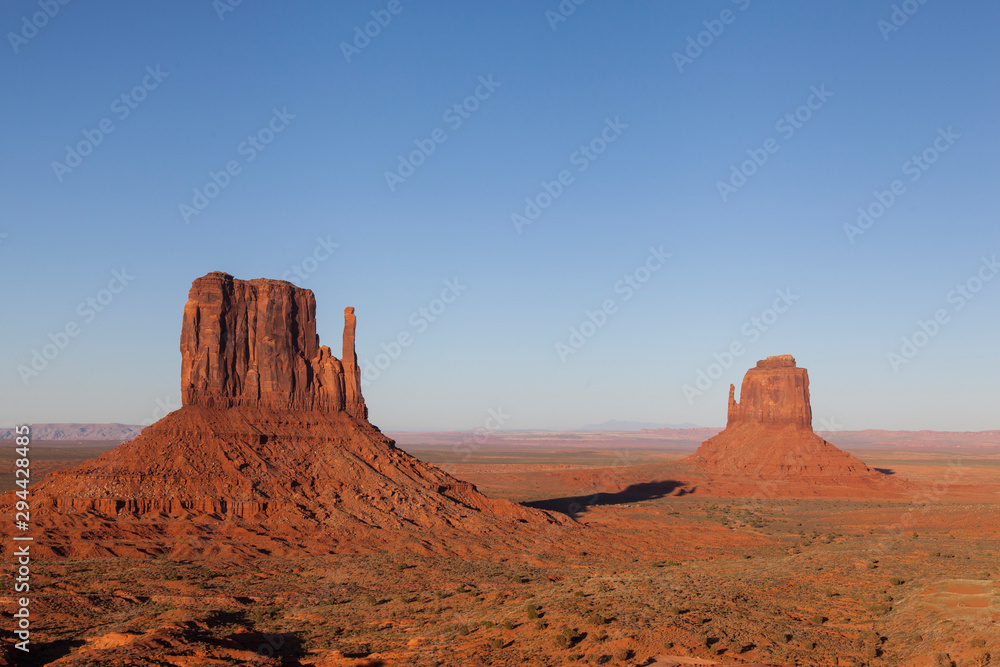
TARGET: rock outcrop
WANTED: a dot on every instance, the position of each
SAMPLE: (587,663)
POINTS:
(775,392)
(272,452)
(769,437)
(253,343)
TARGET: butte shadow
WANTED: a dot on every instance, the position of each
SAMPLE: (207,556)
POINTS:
(633,493)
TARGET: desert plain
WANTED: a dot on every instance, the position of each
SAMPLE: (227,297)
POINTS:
(657,571)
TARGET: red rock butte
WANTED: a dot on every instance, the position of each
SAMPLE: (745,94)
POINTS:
(775,392)
(769,437)
(253,343)
(271,453)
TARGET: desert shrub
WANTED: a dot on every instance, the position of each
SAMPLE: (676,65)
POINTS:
(981,659)
(880,609)
(979,642)
(371,599)
(561,641)
(896,581)
(623,654)
(532,611)
(579,594)
(497,643)
(668,644)
(596,619)
(508,625)
(463,630)
(540,624)
(819,619)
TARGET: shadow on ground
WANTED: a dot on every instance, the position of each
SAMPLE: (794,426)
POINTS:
(634,493)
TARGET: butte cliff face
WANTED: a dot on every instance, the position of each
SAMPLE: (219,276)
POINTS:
(776,392)
(769,437)
(272,452)
(253,343)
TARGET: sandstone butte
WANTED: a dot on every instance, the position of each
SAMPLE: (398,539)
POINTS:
(769,437)
(271,453)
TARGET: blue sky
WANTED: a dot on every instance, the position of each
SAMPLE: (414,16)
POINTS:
(336,124)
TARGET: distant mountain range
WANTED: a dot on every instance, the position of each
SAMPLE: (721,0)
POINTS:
(121,432)
(872,438)
(616,425)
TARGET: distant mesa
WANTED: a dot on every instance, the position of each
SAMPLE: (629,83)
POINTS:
(769,436)
(77,432)
(619,426)
(271,453)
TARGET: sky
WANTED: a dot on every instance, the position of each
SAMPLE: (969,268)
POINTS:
(572,212)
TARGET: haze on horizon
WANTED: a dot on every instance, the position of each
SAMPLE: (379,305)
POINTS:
(485,180)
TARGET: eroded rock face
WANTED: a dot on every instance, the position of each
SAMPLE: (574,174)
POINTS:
(775,392)
(253,343)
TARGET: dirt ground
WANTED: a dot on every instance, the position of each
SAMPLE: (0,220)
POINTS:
(658,573)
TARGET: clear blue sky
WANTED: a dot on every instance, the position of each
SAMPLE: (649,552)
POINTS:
(608,68)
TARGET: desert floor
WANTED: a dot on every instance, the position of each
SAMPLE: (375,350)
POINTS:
(658,573)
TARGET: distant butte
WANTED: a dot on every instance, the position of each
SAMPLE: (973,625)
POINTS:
(776,392)
(769,437)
